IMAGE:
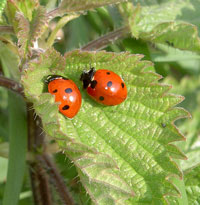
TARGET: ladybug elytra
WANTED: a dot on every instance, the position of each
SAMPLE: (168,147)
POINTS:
(104,86)
(66,92)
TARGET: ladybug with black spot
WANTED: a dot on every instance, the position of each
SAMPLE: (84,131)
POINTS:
(104,86)
(66,92)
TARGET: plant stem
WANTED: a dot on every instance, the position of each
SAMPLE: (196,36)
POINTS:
(103,41)
(58,181)
(43,166)
(6,29)
(11,84)
(39,178)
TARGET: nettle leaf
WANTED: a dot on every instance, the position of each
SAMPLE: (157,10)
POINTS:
(23,33)
(162,23)
(192,183)
(190,88)
(123,153)
(26,7)
(67,6)
(30,31)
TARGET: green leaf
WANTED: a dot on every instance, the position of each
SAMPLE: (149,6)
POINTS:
(25,7)
(11,59)
(63,21)
(23,34)
(192,183)
(190,88)
(30,31)
(123,153)
(17,149)
(72,5)
(185,62)
(179,183)
(17,143)
(2,6)
(162,23)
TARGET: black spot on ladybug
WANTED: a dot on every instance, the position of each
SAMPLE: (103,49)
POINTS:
(109,84)
(122,84)
(108,73)
(163,125)
(66,107)
(55,91)
(68,90)
(101,98)
(93,84)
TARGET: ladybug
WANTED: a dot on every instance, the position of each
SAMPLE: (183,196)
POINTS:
(104,86)
(66,92)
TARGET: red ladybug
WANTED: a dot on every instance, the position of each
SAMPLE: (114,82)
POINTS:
(104,86)
(66,92)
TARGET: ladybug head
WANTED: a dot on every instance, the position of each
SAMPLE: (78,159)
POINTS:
(50,78)
(87,76)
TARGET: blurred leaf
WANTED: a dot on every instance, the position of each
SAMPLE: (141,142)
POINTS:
(17,149)
(137,47)
(17,144)
(116,16)
(63,21)
(3,115)
(2,6)
(4,149)
(186,62)
(117,150)
(182,199)
(192,183)
(4,166)
(190,13)
(159,23)
(78,33)
(95,21)
(11,59)
(72,5)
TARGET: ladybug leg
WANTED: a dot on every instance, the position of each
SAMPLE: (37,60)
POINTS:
(93,84)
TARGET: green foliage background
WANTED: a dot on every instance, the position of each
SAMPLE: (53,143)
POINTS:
(166,32)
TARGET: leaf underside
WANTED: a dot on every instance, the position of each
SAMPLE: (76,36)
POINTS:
(123,153)
(163,23)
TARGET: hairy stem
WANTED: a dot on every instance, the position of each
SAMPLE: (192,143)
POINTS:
(103,41)
(11,84)
(42,169)
(40,185)
(57,180)
(6,29)
(39,178)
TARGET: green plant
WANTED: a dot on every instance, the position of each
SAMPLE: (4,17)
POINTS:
(125,154)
